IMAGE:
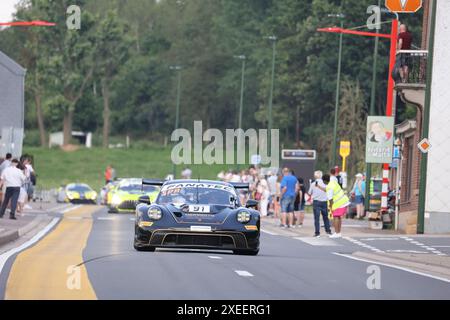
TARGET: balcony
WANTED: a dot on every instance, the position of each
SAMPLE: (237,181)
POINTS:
(412,90)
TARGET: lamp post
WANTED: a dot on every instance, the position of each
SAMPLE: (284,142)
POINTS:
(241,102)
(338,90)
(243,58)
(270,120)
(372,104)
(177,69)
(390,90)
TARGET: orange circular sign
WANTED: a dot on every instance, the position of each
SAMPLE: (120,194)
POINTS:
(404,6)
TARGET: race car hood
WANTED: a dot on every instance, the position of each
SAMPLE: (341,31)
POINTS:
(217,215)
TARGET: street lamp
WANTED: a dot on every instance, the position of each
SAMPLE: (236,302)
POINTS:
(177,69)
(373,100)
(241,103)
(270,120)
(340,16)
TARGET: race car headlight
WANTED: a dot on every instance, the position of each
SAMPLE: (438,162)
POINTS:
(243,216)
(92,195)
(116,200)
(154,213)
(71,195)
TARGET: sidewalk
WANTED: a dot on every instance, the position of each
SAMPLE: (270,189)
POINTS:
(350,228)
(435,265)
(30,219)
(438,266)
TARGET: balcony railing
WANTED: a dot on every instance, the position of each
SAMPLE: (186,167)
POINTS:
(417,63)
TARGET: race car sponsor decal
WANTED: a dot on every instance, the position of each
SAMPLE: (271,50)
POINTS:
(184,185)
(168,192)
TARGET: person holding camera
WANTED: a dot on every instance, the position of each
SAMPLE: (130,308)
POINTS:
(320,203)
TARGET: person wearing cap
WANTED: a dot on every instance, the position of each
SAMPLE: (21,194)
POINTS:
(358,191)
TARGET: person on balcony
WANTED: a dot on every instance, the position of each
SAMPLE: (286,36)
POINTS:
(404,43)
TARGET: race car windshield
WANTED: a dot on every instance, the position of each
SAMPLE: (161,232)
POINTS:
(179,196)
(79,188)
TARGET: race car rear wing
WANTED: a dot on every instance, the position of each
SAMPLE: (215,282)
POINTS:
(153,182)
(240,185)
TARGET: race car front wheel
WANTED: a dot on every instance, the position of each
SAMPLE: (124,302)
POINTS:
(246,252)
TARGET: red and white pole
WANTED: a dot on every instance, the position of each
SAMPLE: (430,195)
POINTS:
(389,104)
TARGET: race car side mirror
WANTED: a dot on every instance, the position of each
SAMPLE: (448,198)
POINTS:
(144,199)
(251,203)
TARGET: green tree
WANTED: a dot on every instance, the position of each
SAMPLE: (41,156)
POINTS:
(112,51)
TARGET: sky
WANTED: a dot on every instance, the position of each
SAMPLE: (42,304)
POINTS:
(7,9)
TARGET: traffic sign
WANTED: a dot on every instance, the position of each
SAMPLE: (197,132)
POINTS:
(344,151)
(404,6)
(424,145)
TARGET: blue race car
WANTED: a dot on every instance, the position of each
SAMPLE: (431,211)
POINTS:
(197,214)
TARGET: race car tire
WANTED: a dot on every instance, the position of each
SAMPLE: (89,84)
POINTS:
(246,252)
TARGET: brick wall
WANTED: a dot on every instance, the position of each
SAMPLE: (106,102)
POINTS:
(409,206)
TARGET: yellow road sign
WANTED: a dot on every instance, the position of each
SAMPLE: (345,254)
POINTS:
(344,151)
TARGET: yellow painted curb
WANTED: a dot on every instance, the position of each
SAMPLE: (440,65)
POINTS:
(53,268)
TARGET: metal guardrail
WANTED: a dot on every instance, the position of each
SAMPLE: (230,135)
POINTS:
(417,62)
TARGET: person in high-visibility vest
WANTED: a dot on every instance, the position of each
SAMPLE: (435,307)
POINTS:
(337,203)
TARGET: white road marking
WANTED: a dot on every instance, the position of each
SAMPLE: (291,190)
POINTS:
(215,257)
(243,273)
(407,251)
(322,241)
(270,232)
(424,246)
(132,219)
(5,256)
(106,218)
(378,239)
(71,208)
(392,266)
(441,246)
(364,245)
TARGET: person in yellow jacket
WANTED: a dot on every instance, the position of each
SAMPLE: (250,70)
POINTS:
(337,203)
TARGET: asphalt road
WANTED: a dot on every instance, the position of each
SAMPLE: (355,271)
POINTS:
(89,255)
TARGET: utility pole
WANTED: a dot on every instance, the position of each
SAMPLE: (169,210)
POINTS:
(270,120)
(372,113)
(177,69)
